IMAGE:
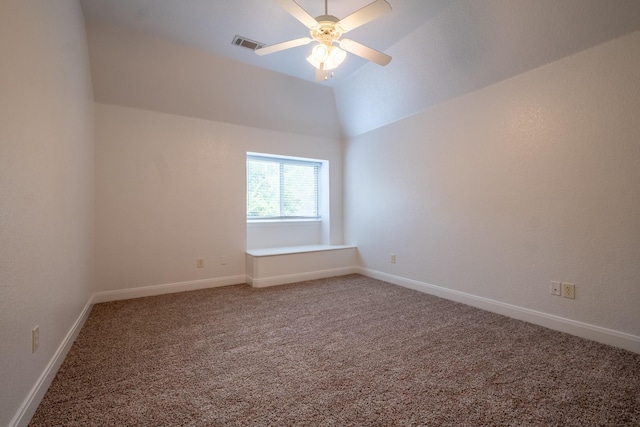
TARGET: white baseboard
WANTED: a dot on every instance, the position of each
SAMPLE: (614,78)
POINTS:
(592,332)
(33,399)
(38,391)
(167,288)
(301,277)
(584,330)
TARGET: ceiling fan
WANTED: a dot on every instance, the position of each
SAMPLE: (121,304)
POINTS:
(330,50)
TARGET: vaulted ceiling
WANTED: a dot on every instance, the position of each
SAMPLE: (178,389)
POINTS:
(177,56)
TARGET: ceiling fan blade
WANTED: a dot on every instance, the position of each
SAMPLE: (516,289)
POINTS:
(365,52)
(298,12)
(367,14)
(284,45)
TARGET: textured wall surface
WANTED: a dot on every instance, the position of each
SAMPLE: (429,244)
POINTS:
(46,187)
(500,191)
(142,71)
(271,235)
(471,44)
(171,189)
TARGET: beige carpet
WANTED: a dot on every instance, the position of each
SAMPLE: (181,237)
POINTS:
(333,352)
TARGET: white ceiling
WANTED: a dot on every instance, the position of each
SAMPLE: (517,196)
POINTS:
(176,56)
(212,24)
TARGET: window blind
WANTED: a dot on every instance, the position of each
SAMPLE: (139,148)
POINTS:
(282,188)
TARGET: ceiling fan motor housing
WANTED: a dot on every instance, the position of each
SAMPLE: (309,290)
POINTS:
(326,31)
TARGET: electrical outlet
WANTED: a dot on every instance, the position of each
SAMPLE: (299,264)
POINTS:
(556,288)
(568,290)
(200,262)
(35,339)
(392,258)
(223,260)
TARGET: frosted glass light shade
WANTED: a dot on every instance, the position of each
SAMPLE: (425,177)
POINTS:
(330,56)
(336,57)
(320,52)
(311,60)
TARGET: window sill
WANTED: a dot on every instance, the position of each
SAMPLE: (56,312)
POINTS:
(291,250)
(283,221)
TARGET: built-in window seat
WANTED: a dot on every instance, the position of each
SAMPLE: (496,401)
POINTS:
(278,266)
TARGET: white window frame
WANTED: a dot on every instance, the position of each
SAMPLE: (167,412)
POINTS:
(290,160)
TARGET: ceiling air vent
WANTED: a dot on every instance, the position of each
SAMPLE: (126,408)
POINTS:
(245,42)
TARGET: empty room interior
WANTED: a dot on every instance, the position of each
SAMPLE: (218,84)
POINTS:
(468,254)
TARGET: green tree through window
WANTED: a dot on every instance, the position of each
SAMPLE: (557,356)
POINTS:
(281,188)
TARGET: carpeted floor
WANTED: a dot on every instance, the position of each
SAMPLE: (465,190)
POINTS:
(332,352)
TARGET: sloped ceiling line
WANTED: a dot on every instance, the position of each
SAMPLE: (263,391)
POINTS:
(177,57)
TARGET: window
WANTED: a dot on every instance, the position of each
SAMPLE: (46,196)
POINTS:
(282,187)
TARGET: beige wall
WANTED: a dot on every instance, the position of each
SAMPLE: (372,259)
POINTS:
(498,192)
(150,73)
(171,189)
(46,188)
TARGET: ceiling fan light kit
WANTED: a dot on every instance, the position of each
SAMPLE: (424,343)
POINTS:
(327,30)
(326,57)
